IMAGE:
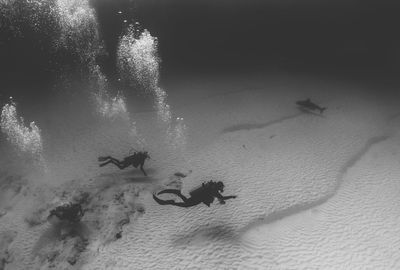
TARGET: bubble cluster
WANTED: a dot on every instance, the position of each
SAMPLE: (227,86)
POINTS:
(63,27)
(138,62)
(79,29)
(26,139)
(71,32)
(139,65)
(111,107)
(134,134)
(19,16)
(177,134)
(162,106)
(106,105)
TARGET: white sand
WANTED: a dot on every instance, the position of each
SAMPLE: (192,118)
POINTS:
(313,192)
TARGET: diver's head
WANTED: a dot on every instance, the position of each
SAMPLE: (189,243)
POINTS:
(146,154)
(220,186)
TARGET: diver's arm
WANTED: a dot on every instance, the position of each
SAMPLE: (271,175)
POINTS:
(223,198)
(229,197)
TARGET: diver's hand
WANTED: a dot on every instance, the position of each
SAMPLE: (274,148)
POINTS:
(222,202)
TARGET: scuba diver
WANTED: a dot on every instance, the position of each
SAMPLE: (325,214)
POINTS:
(138,158)
(204,194)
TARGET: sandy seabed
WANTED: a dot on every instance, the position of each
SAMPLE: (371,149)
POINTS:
(314,191)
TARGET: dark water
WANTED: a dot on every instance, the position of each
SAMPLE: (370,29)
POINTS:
(341,40)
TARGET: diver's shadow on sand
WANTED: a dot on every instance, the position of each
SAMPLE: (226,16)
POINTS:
(299,208)
(141,179)
(218,233)
(250,126)
(132,175)
(303,110)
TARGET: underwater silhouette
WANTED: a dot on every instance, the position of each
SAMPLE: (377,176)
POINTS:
(138,158)
(308,104)
(71,213)
(204,194)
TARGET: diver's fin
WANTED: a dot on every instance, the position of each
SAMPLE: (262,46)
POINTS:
(173,191)
(100,159)
(162,202)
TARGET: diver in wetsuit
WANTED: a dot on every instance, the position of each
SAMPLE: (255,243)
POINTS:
(138,158)
(204,194)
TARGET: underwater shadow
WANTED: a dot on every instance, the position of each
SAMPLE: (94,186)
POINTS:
(303,110)
(141,179)
(129,173)
(296,209)
(250,126)
(109,180)
(217,233)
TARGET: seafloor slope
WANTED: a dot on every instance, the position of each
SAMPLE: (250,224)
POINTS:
(314,192)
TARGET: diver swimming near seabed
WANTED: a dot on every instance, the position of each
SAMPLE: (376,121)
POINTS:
(137,159)
(309,105)
(204,194)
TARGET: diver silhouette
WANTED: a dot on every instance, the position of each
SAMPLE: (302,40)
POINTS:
(204,194)
(71,212)
(138,158)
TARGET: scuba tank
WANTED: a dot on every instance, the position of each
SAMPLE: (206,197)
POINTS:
(204,188)
(197,191)
(203,192)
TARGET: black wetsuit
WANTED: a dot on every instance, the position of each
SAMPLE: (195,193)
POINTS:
(204,194)
(137,159)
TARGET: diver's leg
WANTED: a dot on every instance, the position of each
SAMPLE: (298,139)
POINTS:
(188,203)
(101,159)
(109,159)
(119,164)
(116,162)
(162,202)
(174,191)
(229,197)
(105,163)
(141,168)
